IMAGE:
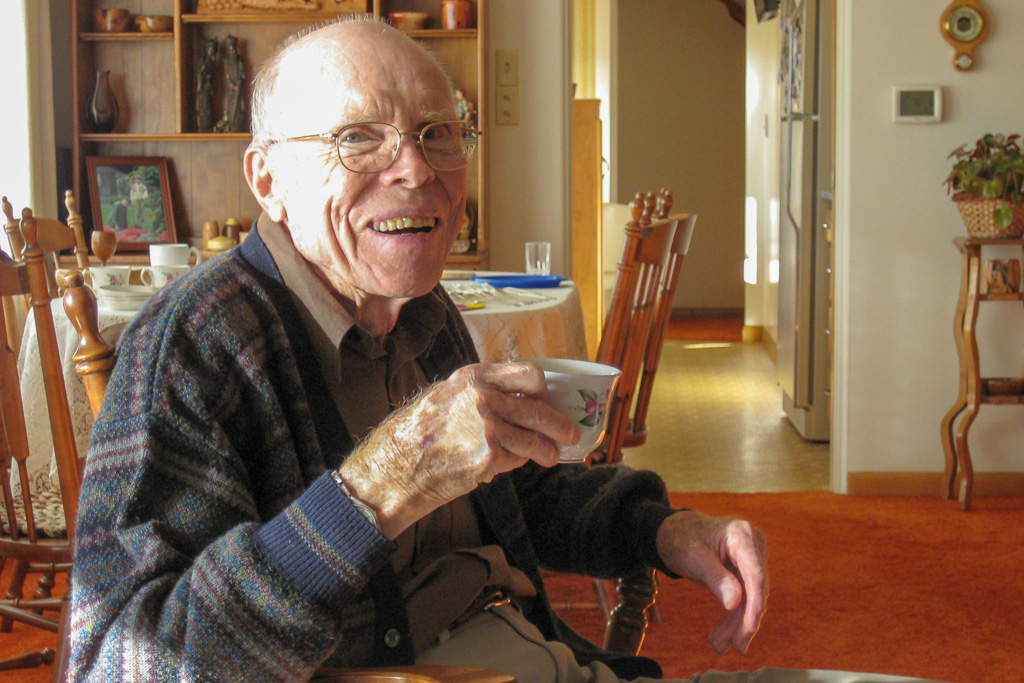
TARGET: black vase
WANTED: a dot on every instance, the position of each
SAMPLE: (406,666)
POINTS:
(101,114)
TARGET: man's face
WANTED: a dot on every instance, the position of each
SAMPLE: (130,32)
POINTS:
(350,225)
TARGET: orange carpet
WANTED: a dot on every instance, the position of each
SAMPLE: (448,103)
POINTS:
(22,638)
(905,586)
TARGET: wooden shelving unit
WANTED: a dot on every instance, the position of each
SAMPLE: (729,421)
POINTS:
(152,75)
(975,390)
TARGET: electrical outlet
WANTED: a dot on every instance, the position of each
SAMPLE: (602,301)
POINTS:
(507,67)
(508,105)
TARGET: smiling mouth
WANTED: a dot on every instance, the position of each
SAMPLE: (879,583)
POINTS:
(404,226)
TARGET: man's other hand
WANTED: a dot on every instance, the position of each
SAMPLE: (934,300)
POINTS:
(729,557)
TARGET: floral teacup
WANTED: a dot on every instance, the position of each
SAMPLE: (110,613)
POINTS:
(107,276)
(580,390)
(158,276)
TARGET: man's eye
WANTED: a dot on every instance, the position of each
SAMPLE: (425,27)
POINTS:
(353,137)
(442,132)
(361,136)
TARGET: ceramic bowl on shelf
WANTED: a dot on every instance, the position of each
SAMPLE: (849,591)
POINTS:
(409,21)
(110,20)
(154,23)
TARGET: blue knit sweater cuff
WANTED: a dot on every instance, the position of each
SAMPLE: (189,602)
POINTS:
(324,546)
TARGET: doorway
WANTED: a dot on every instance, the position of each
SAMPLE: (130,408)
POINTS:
(676,76)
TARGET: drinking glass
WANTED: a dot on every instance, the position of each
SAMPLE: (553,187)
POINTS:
(538,258)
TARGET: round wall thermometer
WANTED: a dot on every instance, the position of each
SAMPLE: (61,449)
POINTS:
(964,25)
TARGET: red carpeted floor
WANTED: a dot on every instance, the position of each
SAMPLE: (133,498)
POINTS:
(905,586)
(725,328)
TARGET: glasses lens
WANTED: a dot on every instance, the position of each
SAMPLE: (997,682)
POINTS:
(373,147)
(368,147)
(448,145)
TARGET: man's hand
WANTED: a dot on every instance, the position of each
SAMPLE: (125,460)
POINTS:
(482,421)
(729,557)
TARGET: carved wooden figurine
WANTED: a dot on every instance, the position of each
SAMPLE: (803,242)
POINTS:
(204,86)
(234,119)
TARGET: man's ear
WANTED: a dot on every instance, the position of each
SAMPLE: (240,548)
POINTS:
(260,178)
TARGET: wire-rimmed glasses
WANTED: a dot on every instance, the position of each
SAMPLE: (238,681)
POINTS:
(372,147)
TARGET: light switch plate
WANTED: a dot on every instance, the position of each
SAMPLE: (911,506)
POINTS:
(507,63)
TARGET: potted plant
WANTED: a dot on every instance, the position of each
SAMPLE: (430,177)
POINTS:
(987,183)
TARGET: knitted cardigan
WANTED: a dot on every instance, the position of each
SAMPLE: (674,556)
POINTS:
(211,543)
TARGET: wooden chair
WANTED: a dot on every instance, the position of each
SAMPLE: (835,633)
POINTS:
(54,237)
(22,538)
(636,429)
(646,253)
(645,257)
(14,316)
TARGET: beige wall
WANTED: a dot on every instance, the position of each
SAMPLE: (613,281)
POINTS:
(528,174)
(899,273)
(680,125)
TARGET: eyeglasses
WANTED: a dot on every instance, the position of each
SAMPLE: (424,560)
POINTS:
(372,147)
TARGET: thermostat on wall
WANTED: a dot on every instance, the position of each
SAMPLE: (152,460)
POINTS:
(917,103)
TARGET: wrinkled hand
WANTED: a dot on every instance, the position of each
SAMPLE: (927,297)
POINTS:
(484,420)
(729,557)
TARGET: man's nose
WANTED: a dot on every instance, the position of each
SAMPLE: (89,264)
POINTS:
(410,166)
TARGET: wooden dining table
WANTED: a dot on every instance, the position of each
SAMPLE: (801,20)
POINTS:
(546,322)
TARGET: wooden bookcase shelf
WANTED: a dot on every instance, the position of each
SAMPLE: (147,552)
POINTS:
(152,75)
(123,37)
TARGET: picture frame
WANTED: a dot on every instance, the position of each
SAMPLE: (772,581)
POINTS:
(131,197)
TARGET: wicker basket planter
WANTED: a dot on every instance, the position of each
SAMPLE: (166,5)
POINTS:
(977,215)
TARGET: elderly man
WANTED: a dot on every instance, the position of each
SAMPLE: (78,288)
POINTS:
(299,464)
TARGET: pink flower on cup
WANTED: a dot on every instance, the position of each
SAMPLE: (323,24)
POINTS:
(594,411)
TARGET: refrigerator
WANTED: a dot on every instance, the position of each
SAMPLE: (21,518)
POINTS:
(805,192)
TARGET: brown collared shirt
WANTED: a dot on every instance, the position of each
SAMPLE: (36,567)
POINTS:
(440,561)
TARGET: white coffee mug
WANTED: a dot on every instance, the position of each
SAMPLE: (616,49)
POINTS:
(580,390)
(158,276)
(107,276)
(172,254)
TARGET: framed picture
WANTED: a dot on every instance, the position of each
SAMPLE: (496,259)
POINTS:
(131,197)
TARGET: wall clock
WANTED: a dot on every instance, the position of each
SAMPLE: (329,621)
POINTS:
(964,24)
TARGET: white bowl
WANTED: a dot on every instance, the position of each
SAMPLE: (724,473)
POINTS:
(125,297)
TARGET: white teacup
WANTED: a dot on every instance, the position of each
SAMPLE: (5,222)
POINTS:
(158,276)
(172,254)
(107,276)
(581,390)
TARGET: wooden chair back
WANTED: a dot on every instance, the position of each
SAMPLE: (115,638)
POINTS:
(636,429)
(645,256)
(23,540)
(53,237)
(14,314)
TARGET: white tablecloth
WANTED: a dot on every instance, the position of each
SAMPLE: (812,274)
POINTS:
(533,323)
(37,420)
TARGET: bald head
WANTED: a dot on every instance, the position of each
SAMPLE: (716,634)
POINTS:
(311,70)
